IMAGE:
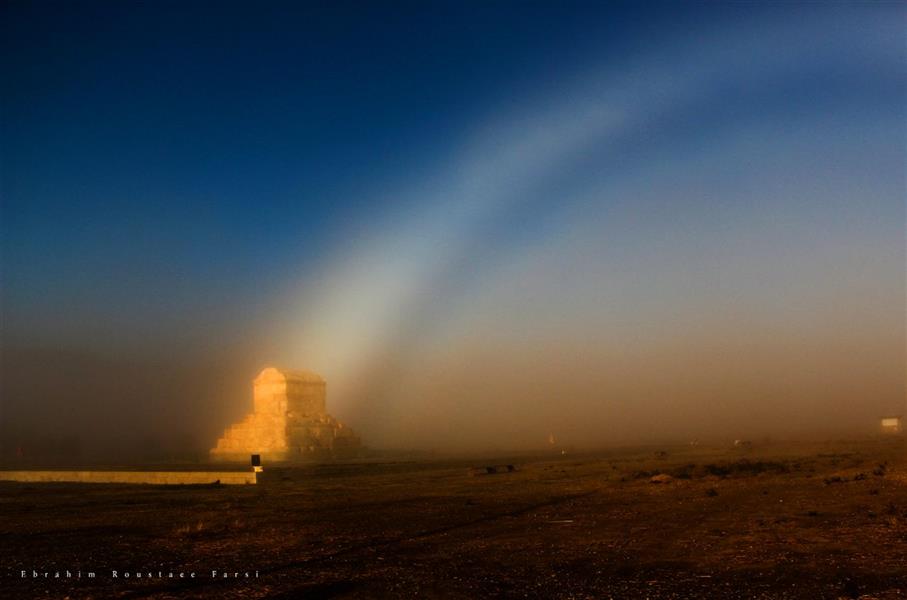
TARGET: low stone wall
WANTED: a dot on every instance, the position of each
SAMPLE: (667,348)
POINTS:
(142,477)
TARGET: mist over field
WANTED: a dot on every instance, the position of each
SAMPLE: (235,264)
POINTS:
(606,223)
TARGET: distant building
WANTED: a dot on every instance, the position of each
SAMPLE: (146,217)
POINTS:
(289,422)
(892,424)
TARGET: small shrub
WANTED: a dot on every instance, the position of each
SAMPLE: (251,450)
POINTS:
(684,472)
(717,470)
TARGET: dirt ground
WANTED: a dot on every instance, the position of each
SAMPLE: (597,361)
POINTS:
(789,520)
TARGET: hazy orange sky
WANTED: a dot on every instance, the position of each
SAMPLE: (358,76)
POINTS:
(480,225)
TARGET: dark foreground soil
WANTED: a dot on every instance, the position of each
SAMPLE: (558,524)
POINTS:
(772,521)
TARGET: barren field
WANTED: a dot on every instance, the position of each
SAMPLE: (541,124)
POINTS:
(772,521)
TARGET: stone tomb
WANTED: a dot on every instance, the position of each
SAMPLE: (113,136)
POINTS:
(289,422)
(891,424)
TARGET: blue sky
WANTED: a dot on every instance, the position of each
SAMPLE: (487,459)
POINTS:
(365,188)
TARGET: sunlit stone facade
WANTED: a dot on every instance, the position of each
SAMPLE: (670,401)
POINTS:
(289,422)
(892,424)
